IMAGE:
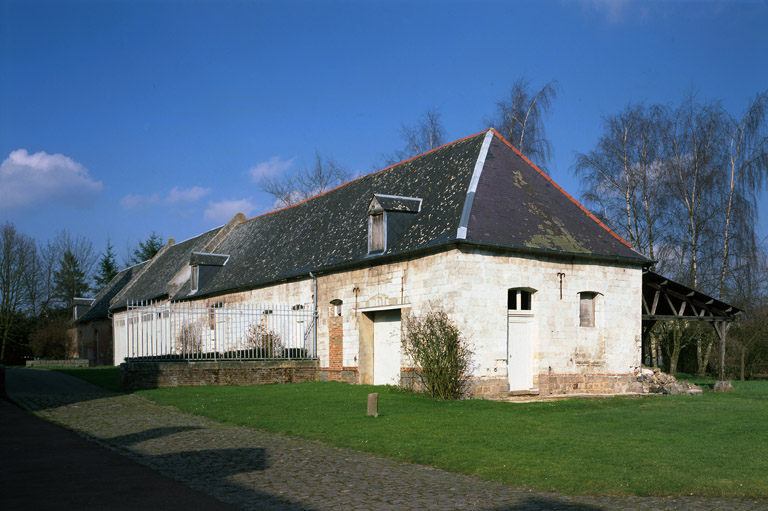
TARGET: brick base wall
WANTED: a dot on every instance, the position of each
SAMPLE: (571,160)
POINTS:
(588,384)
(149,375)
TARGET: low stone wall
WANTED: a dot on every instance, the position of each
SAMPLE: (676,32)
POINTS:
(70,362)
(588,384)
(150,375)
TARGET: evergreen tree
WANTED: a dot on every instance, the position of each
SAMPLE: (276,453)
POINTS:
(70,279)
(147,248)
(107,267)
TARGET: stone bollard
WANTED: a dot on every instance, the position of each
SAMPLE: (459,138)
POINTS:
(373,405)
(723,386)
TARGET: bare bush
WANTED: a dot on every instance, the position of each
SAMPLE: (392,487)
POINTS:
(189,340)
(441,354)
(266,342)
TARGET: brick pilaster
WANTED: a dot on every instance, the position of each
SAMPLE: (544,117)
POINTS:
(336,348)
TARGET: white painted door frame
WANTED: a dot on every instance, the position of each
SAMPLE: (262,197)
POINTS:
(386,347)
(521,332)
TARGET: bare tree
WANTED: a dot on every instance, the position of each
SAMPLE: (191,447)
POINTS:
(423,136)
(287,190)
(621,178)
(682,184)
(17,250)
(520,119)
(747,170)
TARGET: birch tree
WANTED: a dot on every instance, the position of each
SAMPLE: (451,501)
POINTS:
(425,134)
(520,119)
(291,189)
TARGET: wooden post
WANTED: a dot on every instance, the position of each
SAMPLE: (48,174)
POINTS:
(722,384)
(373,405)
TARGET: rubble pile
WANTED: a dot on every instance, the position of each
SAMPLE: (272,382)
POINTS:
(656,382)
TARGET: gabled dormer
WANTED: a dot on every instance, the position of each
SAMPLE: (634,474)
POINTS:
(388,217)
(202,267)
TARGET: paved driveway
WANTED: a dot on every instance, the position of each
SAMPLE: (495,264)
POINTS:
(250,469)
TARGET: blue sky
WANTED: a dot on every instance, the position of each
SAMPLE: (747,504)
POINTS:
(119,118)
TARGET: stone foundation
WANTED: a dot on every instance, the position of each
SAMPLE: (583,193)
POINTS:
(70,362)
(482,388)
(549,384)
(149,375)
(345,374)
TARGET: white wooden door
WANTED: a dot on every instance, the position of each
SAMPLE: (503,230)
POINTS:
(386,347)
(520,352)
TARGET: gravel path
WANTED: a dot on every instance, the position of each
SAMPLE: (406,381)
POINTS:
(256,470)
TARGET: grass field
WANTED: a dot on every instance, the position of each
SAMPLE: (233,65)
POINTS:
(106,377)
(715,444)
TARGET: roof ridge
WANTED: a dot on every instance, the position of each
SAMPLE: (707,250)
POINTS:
(557,186)
(365,176)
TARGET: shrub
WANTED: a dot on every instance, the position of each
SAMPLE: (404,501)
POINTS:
(266,342)
(53,340)
(189,340)
(440,353)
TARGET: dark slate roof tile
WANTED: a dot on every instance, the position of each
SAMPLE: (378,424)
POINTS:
(516,205)
(152,284)
(332,229)
(100,307)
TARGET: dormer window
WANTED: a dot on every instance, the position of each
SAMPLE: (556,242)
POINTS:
(194,278)
(203,268)
(388,217)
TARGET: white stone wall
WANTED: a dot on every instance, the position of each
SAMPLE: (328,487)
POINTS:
(471,286)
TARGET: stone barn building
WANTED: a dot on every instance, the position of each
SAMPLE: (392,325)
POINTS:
(549,297)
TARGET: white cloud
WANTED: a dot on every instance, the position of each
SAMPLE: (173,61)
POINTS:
(223,211)
(136,201)
(614,11)
(269,168)
(175,196)
(26,179)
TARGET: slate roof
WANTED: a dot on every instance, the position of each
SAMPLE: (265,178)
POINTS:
(100,307)
(477,190)
(516,205)
(152,283)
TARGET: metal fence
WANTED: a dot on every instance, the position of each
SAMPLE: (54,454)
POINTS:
(188,331)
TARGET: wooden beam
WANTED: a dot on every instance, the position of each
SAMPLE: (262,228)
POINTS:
(655,302)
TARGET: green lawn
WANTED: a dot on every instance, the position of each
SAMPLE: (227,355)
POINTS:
(715,444)
(107,377)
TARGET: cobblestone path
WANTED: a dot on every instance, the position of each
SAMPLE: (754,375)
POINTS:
(257,470)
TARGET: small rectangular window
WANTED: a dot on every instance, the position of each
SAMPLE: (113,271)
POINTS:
(525,300)
(376,237)
(586,309)
(518,299)
(512,299)
(194,278)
